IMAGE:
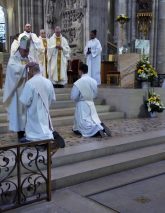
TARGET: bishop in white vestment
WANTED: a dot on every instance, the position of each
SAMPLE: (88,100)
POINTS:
(58,55)
(16,76)
(92,52)
(34,42)
(86,120)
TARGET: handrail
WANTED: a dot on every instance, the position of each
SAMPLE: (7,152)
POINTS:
(25,174)
(111,44)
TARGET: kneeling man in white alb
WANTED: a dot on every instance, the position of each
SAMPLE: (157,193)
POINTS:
(86,120)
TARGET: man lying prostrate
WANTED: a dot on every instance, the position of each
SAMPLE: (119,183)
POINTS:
(86,120)
(37,95)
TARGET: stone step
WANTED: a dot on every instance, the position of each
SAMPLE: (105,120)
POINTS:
(65,90)
(75,173)
(60,104)
(120,179)
(70,111)
(2,109)
(97,149)
(59,97)
(112,146)
(68,120)
(70,103)
(62,112)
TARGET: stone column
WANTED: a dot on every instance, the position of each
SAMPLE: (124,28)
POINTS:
(11,23)
(99,22)
(161,37)
(154,33)
(132,24)
(38,15)
(120,8)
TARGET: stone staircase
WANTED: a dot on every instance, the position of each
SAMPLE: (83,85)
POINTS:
(84,162)
(62,112)
(94,160)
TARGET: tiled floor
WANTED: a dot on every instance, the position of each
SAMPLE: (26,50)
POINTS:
(118,128)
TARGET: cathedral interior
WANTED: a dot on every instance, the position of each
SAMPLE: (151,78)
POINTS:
(142,34)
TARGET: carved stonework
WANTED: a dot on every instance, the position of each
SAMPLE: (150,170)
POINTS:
(144,5)
(51,8)
(69,14)
(144,18)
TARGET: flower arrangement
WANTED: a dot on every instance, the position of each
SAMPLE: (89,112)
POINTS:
(122,19)
(145,71)
(154,103)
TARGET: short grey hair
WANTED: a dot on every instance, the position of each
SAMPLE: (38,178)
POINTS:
(35,66)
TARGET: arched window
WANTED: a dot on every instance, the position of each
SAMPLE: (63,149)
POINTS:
(2,28)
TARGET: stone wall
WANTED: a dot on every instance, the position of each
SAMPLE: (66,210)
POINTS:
(129,101)
(77,18)
(31,12)
(70,15)
(98,19)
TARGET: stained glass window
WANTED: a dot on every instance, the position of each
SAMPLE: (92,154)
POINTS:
(2,26)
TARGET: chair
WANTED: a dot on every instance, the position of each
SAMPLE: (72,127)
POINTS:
(113,76)
(73,67)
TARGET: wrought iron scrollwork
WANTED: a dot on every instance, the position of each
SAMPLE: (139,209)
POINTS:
(8,186)
(24,174)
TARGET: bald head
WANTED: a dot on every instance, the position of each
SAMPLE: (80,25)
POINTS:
(28,28)
(43,33)
(57,31)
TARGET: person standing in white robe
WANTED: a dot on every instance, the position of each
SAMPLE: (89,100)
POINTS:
(92,52)
(34,42)
(86,120)
(37,96)
(16,77)
(58,55)
(42,52)
(14,45)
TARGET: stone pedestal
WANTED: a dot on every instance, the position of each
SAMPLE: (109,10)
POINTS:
(126,67)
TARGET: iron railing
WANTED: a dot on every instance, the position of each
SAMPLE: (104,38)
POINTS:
(25,174)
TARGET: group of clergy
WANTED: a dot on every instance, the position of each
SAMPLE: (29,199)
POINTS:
(52,54)
(35,65)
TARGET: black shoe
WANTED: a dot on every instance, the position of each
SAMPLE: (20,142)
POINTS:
(60,86)
(23,140)
(59,139)
(55,85)
(20,134)
(106,129)
(77,132)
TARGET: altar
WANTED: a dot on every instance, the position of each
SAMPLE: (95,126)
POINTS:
(124,66)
